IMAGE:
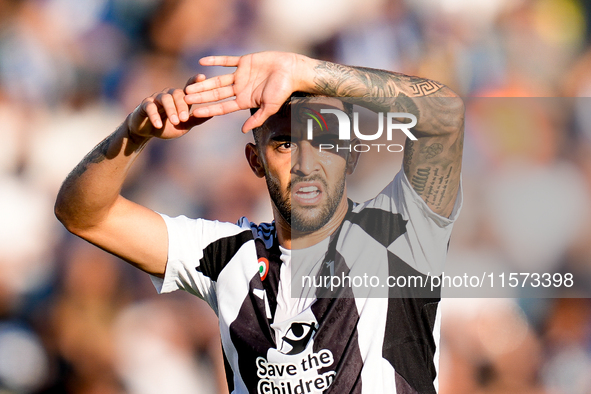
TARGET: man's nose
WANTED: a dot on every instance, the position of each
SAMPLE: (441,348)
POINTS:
(305,162)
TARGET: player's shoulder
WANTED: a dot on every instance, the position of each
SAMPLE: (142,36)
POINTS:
(261,231)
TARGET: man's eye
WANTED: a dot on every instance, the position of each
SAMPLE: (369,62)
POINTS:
(286,146)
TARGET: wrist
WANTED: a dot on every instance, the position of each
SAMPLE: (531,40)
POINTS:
(133,138)
(306,74)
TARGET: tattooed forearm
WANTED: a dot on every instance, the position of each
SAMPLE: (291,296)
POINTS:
(403,103)
(432,163)
(94,186)
(379,90)
(98,154)
(331,77)
(425,87)
(344,81)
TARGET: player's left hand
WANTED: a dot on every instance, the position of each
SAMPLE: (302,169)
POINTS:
(262,80)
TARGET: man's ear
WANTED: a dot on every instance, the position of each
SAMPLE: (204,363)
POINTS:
(254,160)
(352,158)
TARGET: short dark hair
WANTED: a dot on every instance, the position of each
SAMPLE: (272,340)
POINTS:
(285,107)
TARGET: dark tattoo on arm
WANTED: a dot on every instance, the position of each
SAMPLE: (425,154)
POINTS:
(404,103)
(432,150)
(432,184)
(380,90)
(98,154)
(408,153)
(344,81)
(443,185)
(340,80)
(433,169)
(419,180)
(425,87)
(436,187)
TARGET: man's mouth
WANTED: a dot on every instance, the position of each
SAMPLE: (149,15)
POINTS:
(308,192)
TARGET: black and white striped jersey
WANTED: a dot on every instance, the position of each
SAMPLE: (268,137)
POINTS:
(319,342)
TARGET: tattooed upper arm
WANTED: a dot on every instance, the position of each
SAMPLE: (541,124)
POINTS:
(433,167)
(433,162)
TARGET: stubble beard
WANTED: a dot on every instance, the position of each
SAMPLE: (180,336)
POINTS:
(306,219)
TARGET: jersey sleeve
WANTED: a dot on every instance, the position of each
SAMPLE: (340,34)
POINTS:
(424,244)
(198,250)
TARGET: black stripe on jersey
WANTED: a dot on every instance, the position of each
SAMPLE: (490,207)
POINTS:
(251,334)
(409,345)
(271,282)
(402,386)
(219,253)
(383,226)
(408,339)
(337,331)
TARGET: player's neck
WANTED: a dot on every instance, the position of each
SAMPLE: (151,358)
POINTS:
(291,239)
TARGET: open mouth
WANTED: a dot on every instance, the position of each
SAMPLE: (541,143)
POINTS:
(306,193)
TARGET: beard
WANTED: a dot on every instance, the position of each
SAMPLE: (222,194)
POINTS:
(306,219)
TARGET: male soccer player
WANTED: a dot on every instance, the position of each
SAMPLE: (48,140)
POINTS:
(274,343)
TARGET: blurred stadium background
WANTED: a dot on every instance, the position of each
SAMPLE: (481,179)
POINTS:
(74,319)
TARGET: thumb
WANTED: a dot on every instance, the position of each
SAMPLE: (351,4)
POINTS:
(195,121)
(260,117)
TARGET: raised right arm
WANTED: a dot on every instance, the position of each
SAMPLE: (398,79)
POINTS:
(89,203)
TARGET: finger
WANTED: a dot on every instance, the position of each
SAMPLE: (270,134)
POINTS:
(216,109)
(210,96)
(195,79)
(259,117)
(151,110)
(181,106)
(169,107)
(226,61)
(210,84)
(193,121)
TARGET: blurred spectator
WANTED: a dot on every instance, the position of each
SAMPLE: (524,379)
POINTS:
(156,341)
(74,319)
(488,347)
(90,299)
